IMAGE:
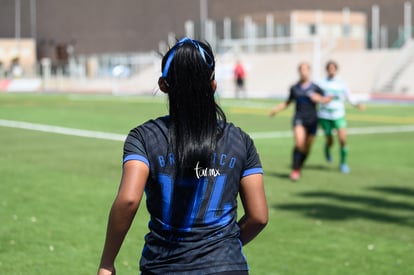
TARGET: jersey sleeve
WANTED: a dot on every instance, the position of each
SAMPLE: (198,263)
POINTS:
(134,147)
(319,90)
(291,95)
(315,89)
(347,95)
(252,165)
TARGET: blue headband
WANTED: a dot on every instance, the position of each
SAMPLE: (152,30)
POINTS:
(181,43)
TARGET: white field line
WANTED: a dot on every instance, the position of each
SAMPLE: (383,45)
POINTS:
(61,130)
(350,131)
(118,137)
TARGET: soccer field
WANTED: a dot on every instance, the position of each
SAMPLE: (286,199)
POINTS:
(56,189)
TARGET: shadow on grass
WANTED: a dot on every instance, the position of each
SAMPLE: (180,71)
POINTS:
(403,191)
(285,176)
(370,201)
(370,209)
(317,167)
(331,212)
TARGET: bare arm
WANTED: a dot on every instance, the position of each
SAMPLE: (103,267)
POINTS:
(360,106)
(354,103)
(253,198)
(317,98)
(122,213)
(278,108)
(283,105)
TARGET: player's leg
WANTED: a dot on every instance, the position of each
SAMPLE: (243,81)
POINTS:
(340,125)
(327,126)
(308,144)
(327,147)
(311,130)
(243,88)
(299,150)
(237,88)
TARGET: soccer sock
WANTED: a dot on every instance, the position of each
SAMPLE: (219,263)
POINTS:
(344,154)
(297,158)
(303,159)
(327,151)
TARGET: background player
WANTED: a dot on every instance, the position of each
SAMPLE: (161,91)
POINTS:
(332,114)
(240,79)
(305,121)
(192,165)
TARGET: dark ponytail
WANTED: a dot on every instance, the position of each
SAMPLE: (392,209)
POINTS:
(196,121)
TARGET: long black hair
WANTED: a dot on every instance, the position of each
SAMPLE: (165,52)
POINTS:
(196,121)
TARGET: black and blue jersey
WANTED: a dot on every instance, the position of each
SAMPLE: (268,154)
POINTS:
(305,110)
(193,224)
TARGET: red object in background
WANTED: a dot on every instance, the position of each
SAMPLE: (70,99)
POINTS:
(4,84)
(239,72)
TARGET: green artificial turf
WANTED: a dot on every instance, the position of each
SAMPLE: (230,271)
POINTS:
(56,190)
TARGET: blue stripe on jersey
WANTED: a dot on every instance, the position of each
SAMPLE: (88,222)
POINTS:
(196,205)
(252,171)
(137,157)
(211,216)
(167,195)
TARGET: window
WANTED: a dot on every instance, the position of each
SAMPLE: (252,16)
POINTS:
(346,30)
(312,29)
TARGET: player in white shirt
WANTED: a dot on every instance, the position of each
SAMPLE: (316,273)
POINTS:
(332,115)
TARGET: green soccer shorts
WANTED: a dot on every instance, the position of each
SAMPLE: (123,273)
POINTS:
(329,124)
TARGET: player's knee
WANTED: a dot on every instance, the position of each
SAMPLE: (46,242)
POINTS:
(301,147)
(342,141)
(329,140)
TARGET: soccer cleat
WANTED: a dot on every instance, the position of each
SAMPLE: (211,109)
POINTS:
(329,158)
(345,168)
(328,155)
(295,175)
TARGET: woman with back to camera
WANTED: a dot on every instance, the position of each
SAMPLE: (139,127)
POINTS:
(306,95)
(192,165)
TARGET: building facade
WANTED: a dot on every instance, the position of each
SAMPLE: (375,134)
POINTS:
(103,26)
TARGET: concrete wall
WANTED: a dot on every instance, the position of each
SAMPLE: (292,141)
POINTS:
(271,75)
(405,83)
(268,74)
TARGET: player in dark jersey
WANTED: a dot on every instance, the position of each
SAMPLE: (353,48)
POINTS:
(192,165)
(306,95)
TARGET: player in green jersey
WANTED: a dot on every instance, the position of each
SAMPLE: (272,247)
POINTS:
(332,115)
